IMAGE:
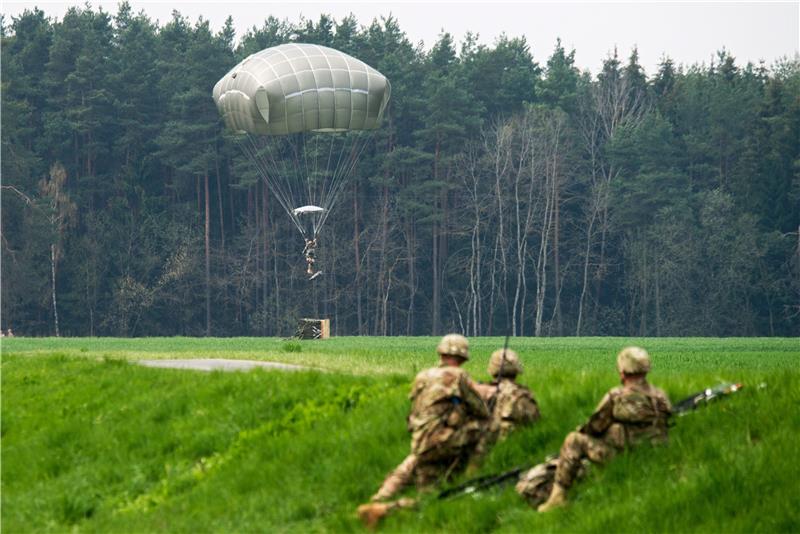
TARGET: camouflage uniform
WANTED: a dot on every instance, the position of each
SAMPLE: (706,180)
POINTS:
(513,406)
(627,416)
(445,425)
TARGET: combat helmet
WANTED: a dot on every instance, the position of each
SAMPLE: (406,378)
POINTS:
(633,361)
(453,345)
(509,367)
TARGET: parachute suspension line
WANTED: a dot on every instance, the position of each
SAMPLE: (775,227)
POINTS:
(267,168)
(300,170)
(285,173)
(272,179)
(290,169)
(328,186)
(323,190)
(312,175)
(356,149)
(319,220)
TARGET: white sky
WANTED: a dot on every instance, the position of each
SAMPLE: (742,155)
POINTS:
(688,32)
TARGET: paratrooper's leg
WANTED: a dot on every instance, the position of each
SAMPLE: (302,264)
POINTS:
(380,505)
(399,478)
(576,447)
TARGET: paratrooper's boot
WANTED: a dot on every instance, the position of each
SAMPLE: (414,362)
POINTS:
(558,497)
(372,513)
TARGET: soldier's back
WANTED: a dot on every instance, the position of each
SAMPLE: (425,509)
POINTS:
(642,410)
(441,418)
(515,406)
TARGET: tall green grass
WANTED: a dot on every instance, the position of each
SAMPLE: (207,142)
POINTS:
(93,444)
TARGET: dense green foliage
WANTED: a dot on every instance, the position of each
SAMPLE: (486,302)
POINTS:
(505,190)
(92,443)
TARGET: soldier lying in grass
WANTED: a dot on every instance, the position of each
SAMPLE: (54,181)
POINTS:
(511,405)
(628,415)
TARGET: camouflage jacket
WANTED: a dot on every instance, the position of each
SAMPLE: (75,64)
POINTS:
(630,414)
(513,406)
(446,411)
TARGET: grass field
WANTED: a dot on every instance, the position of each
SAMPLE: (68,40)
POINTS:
(91,443)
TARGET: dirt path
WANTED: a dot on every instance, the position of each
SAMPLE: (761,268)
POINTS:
(220,364)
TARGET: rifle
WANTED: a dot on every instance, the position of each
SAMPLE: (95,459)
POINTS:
(483,482)
(706,396)
(690,403)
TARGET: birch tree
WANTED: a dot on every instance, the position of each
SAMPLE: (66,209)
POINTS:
(61,212)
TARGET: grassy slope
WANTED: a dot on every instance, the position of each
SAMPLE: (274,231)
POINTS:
(91,442)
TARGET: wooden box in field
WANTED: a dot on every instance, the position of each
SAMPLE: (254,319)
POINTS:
(314,329)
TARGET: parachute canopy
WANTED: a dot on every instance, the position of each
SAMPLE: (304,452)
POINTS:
(295,88)
(303,114)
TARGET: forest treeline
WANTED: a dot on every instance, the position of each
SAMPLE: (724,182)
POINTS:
(503,193)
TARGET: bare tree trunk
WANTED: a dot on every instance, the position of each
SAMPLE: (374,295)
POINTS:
(265,240)
(551,171)
(199,191)
(658,300)
(412,276)
(221,210)
(645,303)
(276,279)
(444,230)
(357,258)
(90,302)
(435,267)
(53,278)
(472,180)
(435,281)
(556,260)
(585,281)
(259,269)
(231,210)
(493,288)
(527,166)
(602,269)
(520,247)
(381,319)
(500,166)
(208,252)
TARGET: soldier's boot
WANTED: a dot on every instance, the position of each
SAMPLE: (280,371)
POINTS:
(372,513)
(558,498)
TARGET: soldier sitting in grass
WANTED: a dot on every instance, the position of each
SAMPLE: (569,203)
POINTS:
(446,420)
(627,416)
(512,405)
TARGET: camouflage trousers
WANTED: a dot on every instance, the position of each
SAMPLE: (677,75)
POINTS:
(423,471)
(576,448)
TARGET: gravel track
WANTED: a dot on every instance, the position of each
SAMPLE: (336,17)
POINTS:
(220,364)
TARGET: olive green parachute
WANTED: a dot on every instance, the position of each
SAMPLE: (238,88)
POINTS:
(302,114)
(295,88)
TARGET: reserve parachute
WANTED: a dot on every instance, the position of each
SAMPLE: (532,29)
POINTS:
(303,114)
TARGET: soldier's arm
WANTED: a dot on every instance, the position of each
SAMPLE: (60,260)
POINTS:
(664,404)
(472,398)
(601,419)
(486,391)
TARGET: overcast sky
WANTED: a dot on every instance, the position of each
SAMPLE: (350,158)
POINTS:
(688,32)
